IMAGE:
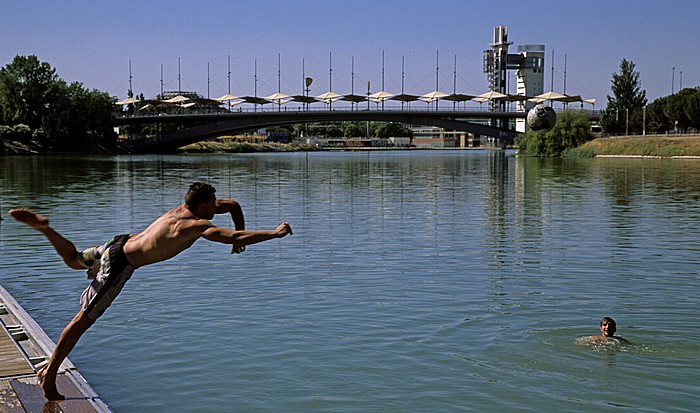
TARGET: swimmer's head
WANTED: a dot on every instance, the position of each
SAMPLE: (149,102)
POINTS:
(608,327)
(199,193)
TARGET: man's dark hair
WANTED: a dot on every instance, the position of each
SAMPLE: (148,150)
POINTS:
(608,320)
(199,193)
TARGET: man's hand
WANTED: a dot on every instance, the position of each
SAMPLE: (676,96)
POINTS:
(30,218)
(253,237)
(284,229)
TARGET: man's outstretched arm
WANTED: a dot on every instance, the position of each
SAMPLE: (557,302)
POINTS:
(63,247)
(243,238)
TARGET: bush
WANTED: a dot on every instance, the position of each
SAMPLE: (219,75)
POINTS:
(23,133)
(572,129)
(6,132)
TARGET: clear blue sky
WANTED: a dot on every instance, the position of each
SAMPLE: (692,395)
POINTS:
(93,41)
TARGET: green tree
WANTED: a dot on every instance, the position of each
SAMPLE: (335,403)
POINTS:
(657,122)
(692,108)
(25,85)
(354,130)
(675,110)
(624,108)
(60,116)
(387,130)
(572,129)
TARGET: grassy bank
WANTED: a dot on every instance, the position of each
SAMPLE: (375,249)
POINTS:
(658,146)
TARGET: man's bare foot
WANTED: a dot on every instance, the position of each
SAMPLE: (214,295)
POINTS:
(48,385)
(30,218)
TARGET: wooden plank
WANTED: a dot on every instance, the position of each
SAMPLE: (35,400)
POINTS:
(76,401)
(30,395)
(9,402)
(12,363)
(31,327)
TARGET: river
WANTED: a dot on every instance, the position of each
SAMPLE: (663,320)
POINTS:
(425,281)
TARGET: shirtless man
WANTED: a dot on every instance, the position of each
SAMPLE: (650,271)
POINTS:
(608,327)
(110,266)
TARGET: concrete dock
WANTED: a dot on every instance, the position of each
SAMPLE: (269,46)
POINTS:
(24,348)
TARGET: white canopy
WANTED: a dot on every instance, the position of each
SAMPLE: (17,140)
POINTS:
(127,101)
(176,99)
(279,98)
(548,96)
(227,97)
(329,97)
(490,95)
(380,96)
(433,96)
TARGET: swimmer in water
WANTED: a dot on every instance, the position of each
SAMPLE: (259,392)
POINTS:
(608,327)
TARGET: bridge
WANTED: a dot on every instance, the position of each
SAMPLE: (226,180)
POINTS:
(210,125)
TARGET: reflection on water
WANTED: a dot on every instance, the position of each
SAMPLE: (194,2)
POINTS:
(422,281)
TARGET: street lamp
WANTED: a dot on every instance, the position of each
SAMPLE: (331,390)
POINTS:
(673,79)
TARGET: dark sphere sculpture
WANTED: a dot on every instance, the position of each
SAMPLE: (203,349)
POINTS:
(541,118)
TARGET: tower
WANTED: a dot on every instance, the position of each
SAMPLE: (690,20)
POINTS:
(529,64)
(495,65)
(530,79)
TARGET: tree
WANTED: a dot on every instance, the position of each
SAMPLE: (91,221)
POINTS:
(623,111)
(60,116)
(692,108)
(676,112)
(354,130)
(657,122)
(24,87)
(387,130)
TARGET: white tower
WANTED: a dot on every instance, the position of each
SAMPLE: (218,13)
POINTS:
(530,77)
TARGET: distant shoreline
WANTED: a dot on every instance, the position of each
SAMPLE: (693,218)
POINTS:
(637,147)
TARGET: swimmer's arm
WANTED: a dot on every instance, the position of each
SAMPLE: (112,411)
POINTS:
(622,340)
(224,206)
(229,206)
(243,238)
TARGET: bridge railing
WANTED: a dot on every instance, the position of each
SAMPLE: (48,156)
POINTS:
(344,107)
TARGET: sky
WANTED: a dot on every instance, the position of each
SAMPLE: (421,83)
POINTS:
(399,46)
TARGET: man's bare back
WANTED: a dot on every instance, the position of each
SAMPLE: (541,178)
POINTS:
(167,236)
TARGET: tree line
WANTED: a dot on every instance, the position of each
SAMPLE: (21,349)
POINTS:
(627,111)
(37,106)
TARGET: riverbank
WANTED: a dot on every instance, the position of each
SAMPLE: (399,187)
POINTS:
(9,147)
(243,147)
(644,146)
(638,146)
